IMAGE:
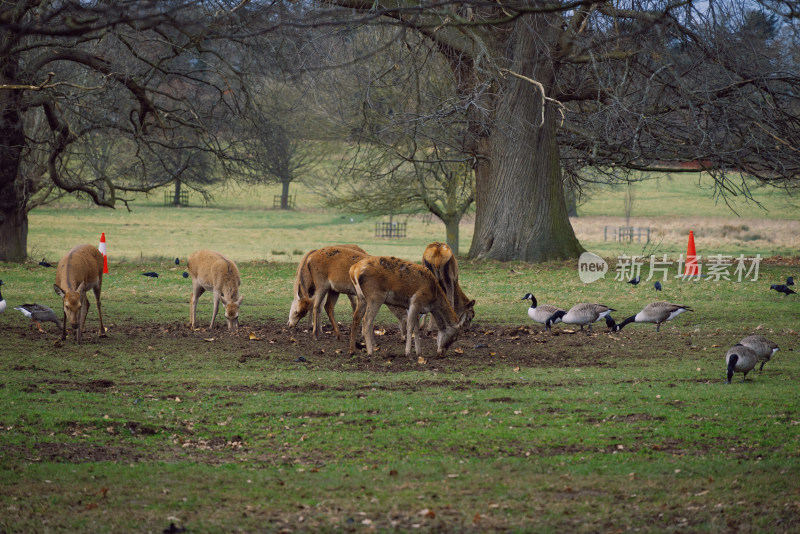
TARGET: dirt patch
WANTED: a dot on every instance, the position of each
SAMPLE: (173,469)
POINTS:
(480,346)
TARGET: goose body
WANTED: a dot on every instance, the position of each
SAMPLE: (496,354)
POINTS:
(740,359)
(39,313)
(655,312)
(581,314)
(763,347)
(2,300)
(541,312)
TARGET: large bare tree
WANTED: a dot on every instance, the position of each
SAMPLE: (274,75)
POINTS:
(618,85)
(155,80)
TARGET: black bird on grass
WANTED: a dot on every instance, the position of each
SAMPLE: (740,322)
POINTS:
(185,274)
(44,263)
(151,274)
(177,261)
(790,281)
(635,281)
(657,285)
(780,288)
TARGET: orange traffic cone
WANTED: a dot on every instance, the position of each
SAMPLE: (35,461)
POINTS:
(102,248)
(691,258)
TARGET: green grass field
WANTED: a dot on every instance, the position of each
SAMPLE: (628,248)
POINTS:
(513,430)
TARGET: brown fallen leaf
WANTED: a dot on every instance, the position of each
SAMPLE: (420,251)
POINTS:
(458,351)
(421,360)
(254,337)
(516,369)
(209,339)
(427,512)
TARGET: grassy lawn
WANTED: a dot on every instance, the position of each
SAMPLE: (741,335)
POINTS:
(513,430)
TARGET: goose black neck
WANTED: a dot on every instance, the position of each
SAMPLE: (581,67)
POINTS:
(627,321)
(533,301)
(557,315)
(732,365)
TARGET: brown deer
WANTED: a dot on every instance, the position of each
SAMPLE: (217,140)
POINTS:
(329,268)
(387,280)
(440,260)
(80,270)
(211,271)
(304,290)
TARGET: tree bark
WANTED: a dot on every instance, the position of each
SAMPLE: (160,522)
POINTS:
(451,229)
(176,199)
(13,193)
(521,212)
(285,194)
(13,232)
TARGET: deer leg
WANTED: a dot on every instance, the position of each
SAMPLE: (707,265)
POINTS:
(330,302)
(319,298)
(369,325)
(64,328)
(82,320)
(413,328)
(402,318)
(99,310)
(358,314)
(197,290)
(216,309)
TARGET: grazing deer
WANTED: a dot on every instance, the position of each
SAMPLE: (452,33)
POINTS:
(80,270)
(211,271)
(304,290)
(329,269)
(387,280)
(440,260)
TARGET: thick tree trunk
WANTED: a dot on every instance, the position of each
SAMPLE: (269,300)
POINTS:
(521,213)
(13,193)
(285,194)
(451,229)
(13,232)
(176,199)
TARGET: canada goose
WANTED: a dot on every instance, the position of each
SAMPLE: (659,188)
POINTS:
(2,300)
(655,312)
(780,288)
(584,313)
(541,312)
(763,347)
(39,313)
(740,359)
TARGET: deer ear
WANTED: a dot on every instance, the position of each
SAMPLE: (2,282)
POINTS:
(81,288)
(224,300)
(239,302)
(58,290)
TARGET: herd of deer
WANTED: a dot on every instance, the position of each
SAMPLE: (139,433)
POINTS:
(409,290)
